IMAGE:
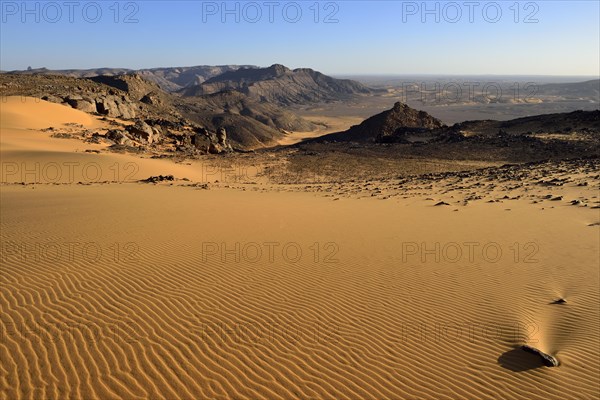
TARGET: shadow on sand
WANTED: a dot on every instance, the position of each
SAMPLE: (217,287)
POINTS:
(518,360)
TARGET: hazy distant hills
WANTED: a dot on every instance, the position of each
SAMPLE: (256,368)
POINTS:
(587,89)
(169,79)
(174,79)
(74,73)
(280,85)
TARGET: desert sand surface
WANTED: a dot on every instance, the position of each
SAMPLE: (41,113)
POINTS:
(325,124)
(419,287)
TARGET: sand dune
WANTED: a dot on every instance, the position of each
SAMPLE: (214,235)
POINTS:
(31,155)
(138,291)
(326,125)
(32,113)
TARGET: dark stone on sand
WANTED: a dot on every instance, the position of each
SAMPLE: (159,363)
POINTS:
(547,359)
(559,301)
(442,203)
(159,178)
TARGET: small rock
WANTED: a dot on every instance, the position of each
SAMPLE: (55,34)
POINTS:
(159,178)
(548,360)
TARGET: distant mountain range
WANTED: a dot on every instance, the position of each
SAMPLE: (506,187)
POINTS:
(276,84)
(587,89)
(280,85)
(169,79)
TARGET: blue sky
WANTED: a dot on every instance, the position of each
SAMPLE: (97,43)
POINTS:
(344,37)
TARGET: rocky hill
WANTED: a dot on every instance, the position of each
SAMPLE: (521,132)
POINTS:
(118,99)
(279,85)
(400,120)
(249,123)
(559,123)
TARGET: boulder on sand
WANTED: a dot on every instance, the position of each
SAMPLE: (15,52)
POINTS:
(143,132)
(548,360)
(82,104)
(119,137)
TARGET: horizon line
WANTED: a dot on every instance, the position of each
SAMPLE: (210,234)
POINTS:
(364,74)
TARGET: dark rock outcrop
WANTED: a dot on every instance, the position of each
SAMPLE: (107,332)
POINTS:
(116,107)
(143,132)
(220,145)
(119,137)
(568,123)
(80,103)
(390,125)
(159,178)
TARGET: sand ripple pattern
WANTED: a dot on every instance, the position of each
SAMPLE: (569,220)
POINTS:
(175,324)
